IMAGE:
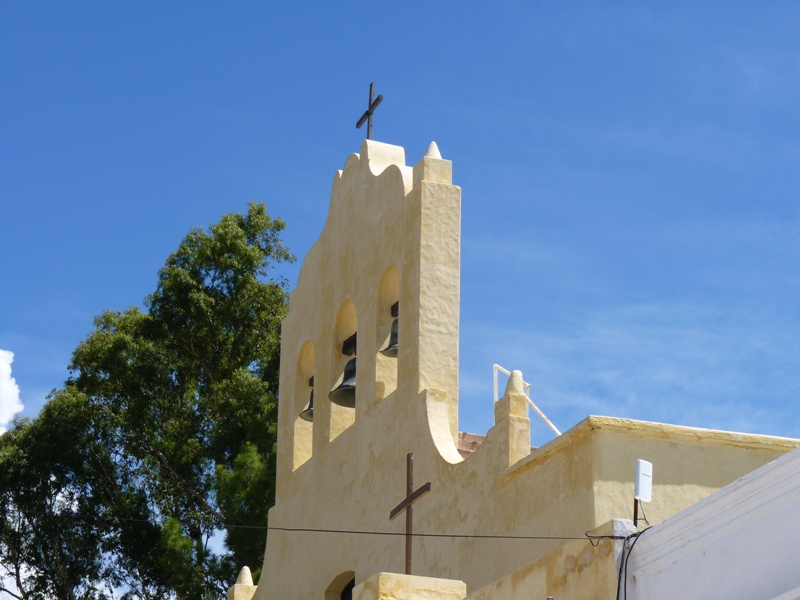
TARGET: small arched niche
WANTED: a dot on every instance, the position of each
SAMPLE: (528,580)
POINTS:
(342,394)
(341,588)
(388,315)
(304,405)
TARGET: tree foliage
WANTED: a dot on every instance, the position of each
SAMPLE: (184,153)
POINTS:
(164,436)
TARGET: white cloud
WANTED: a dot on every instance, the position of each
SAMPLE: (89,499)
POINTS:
(9,390)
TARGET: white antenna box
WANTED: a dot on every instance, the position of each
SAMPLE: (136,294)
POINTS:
(644,481)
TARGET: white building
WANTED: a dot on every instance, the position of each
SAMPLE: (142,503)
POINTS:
(740,543)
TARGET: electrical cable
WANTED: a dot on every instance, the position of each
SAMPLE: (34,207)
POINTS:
(644,516)
(344,531)
(625,596)
(623,561)
(594,543)
(431,535)
(619,573)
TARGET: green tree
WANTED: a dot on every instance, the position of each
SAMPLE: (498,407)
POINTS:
(42,473)
(183,402)
(61,495)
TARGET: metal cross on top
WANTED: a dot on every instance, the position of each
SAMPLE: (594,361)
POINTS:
(406,505)
(367,116)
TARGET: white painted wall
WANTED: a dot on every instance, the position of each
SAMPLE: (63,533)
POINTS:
(741,543)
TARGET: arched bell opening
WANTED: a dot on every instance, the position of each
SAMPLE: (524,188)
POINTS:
(304,405)
(341,588)
(344,366)
(387,327)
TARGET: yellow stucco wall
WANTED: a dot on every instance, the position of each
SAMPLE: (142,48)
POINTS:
(347,470)
(578,570)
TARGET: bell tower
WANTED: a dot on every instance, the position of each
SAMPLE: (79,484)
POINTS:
(376,308)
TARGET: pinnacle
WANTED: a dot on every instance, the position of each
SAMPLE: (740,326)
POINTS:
(515,384)
(433,151)
(245,578)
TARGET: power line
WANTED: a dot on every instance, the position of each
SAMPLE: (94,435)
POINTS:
(432,535)
(349,531)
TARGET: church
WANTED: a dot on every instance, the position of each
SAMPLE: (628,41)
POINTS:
(379,494)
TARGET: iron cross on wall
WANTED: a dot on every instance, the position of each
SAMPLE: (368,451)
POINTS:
(407,506)
(367,116)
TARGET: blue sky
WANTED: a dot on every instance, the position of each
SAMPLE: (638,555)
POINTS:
(631,226)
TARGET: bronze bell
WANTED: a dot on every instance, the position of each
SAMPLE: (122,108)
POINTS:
(308,414)
(345,394)
(391,349)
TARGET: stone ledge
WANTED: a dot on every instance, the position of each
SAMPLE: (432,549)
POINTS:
(394,586)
